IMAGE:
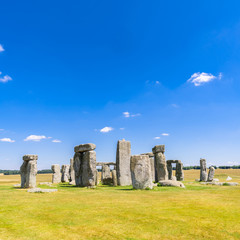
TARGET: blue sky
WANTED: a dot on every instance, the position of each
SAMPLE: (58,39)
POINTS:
(152,72)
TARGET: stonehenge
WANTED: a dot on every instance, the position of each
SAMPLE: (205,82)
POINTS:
(56,177)
(123,163)
(114,177)
(152,162)
(85,165)
(160,163)
(71,172)
(141,172)
(179,170)
(28,171)
(65,173)
(211,174)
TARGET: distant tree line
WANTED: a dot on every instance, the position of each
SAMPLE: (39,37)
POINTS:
(220,167)
(15,172)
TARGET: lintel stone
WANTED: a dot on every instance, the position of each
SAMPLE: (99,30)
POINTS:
(158,148)
(85,147)
(30,157)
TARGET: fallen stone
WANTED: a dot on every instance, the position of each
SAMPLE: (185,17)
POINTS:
(230,184)
(85,147)
(17,185)
(40,190)
(45,183)
(171,183)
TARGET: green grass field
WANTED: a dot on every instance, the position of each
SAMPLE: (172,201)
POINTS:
(197,212)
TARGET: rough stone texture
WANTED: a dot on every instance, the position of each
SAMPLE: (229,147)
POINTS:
(65,173)
(71,171)
(31,174)
(123,163)
(152,162)
(179,171)
(169,168)
(56,177)
(30,157)
(230,184)
(211,174)
(85,147)
(40,190)
(171,183)
(141,172)
(203,170)
(106,178)
(85,168)
(97,178)
(114,177)
(23,172)
(160,163)
(158,148)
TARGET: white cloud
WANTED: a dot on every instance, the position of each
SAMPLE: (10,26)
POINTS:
(165,134)
(5,79)
(56,141)
(121,128)
(157,138)
(157,82)
(127,114)
(1,48)
(7,140)
(35,138)
(199,79)
(106,129)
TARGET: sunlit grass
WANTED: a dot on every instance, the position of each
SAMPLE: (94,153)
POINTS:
(197,212)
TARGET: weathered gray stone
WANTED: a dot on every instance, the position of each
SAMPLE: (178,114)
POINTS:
(46,183)
(203,170)
(152,162)
(211,174)
(28,171)
(105,163)
(114,177)
(31,174)
(85,169)
(85,147)
(65,173)
(160,163)
(71,171)
(169,168)
(141,172)
(97,178)
(30,157)
(123,163)
(171,183)
(230,184)
(40,190)
(56,177)
(179,171)
(158,149)
(106,178)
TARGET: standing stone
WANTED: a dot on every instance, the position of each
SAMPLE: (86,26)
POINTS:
(85,165)
(106,178)
(65,173)
(152,162)
(211,174)
(141,172)
(56,177)
(71,172)
(179,171)
(169,168)
(160,162)
(97,178)
(114,177)
(123,163)
(28,171)
(203,170)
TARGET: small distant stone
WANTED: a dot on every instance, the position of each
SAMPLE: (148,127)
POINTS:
(17,185)
(85,147)
(40,190)
(230,183)
(228,178)
(45,183)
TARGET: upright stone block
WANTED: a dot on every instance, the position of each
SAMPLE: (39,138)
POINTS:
(170,173)
(160,163)
(179,171)
(141,172)
(211,174)
(71,172)
(65,173)
(114,177)
(152,162)
(56,177)
(28,171)
(106,175)
(123,163)
(85,166)
(203,170)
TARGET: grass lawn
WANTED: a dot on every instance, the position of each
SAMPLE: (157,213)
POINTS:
(197,212)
